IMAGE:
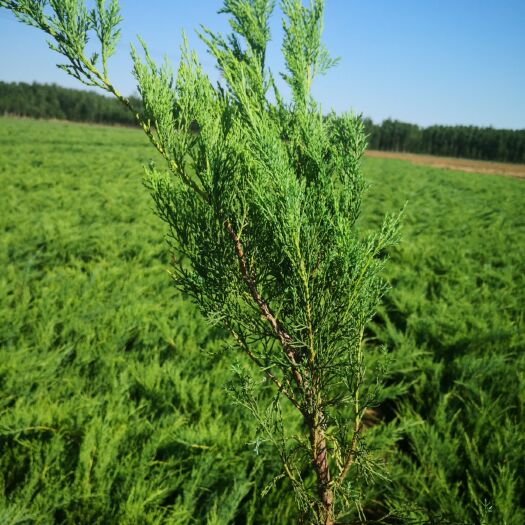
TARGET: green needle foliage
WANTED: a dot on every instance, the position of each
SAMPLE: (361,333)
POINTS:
(261,197)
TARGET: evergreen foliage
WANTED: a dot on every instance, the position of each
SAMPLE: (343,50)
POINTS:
(261,205)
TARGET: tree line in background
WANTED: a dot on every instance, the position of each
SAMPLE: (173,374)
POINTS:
(470,142)
(52,101)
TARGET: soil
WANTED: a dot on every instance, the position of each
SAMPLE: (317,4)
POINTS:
(471,166)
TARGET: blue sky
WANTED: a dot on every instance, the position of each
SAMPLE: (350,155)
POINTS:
(421,61)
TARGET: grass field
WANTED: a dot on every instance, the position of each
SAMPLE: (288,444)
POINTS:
(112,400)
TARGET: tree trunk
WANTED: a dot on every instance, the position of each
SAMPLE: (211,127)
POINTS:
(320,462)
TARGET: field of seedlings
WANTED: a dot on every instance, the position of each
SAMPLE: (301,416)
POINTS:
(113,399)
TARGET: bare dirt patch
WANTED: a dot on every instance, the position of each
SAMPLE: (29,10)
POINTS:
(471,166)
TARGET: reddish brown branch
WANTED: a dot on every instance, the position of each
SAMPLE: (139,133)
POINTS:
(313,419)
(320,462)
(279,331)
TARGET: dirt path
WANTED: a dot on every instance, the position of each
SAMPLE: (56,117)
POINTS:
(472,166)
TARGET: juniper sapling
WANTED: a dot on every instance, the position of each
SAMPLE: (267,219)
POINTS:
(261,195)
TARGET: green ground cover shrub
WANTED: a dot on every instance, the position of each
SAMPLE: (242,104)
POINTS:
(458,294)
(112,404)
(112,400)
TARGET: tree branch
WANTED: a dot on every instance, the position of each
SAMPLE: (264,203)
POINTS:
(268,373)
(279,331)
(351,456)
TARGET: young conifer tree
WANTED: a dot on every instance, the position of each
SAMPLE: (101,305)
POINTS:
(261,196)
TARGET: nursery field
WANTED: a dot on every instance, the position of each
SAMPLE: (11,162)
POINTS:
(113,406)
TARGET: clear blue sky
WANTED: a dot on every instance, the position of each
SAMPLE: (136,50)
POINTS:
(421,61)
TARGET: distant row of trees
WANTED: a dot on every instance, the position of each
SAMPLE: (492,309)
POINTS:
(452,141)
(52,101)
